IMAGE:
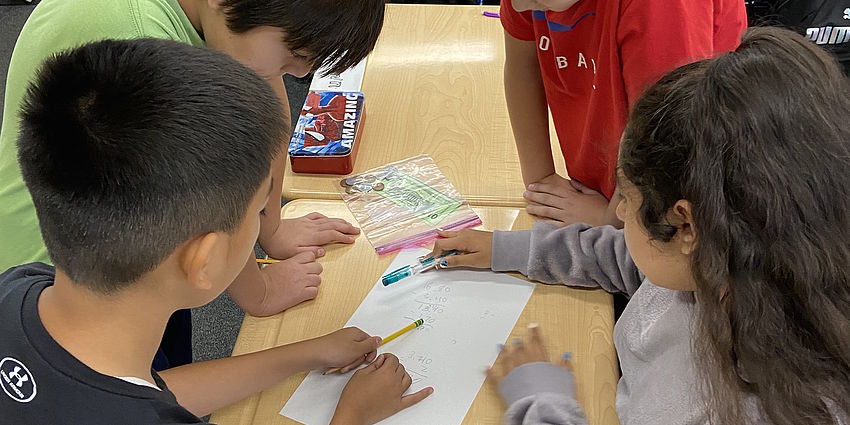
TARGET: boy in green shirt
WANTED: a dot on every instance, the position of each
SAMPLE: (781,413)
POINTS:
(272,37)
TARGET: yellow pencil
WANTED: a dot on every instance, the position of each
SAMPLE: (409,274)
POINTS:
(392,336)
(267,261)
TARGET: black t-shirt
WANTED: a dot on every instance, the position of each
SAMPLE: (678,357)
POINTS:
(824,22)
(44,384)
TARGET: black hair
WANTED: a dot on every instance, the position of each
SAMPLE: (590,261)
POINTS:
(337,34)
(758,141)
(130,148)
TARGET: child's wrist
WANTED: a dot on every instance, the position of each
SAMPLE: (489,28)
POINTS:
(343,416)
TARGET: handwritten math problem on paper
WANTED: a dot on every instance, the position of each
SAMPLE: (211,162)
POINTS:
(466,314)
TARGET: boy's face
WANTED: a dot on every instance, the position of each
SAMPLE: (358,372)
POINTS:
(264,50)
(664,263)
(553,5)
(231,251)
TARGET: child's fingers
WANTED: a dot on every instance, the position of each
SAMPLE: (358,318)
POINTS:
(559,190)
(565,361)
(379,361)
(341,225)
(443,245)
(304,257)
(313,268)
(447,234)
(406,380)
(582,188)
(535,342)
(315,216)
(411,399)
(368,345)
(464,260)
(543,211)
(371,356)
(333,236)
(541,198)
(352,365)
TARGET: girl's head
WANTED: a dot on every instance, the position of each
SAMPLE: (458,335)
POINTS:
(736,177)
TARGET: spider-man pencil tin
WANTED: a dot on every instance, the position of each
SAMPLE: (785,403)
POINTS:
(325,139)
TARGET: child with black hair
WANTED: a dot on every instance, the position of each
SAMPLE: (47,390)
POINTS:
(273,38)
(735,251)
(148,164)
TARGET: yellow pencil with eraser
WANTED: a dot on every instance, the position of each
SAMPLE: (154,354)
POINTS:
(392,336)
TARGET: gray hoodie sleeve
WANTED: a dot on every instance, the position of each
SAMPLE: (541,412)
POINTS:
(541,393)
(577,255)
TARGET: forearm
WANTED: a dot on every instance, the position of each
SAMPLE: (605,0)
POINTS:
(528,110)
(249,289)
(204,387)
(271,221)
(578,255)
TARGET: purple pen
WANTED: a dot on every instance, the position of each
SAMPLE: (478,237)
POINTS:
(490,14)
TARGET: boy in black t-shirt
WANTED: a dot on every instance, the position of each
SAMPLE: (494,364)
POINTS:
(121,142)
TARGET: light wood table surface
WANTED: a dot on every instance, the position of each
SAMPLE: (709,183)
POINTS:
(576,320)
(434,85)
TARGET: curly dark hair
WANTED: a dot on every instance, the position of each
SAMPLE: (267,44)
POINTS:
(758,141)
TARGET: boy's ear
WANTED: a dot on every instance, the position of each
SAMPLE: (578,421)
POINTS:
(681,215)
(196,257)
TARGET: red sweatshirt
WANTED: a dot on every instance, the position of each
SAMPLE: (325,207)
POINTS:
(598,56)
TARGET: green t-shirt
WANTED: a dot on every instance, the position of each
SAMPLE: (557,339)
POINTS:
(54,26)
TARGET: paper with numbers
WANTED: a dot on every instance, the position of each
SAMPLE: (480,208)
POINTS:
(466,313)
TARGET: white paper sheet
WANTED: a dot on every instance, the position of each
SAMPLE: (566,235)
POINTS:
(467,314)
(349,80)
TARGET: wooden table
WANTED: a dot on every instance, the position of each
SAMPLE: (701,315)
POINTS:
(434,85)
(575,320)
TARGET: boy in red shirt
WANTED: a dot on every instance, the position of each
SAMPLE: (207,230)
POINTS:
(589,61)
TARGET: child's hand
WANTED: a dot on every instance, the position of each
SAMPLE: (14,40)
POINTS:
(289,282)
(346,349)
(474,246)
(308,233)
(376,392)
(565,201)
(519,353)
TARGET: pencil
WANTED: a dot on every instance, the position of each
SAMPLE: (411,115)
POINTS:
(267,261)
(392,336)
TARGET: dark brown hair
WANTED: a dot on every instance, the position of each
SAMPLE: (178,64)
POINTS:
(758,141)
(336,33)
(130,148)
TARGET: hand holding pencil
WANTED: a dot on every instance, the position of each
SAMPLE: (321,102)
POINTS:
(392,336)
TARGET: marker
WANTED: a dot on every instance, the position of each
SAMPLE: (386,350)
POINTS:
(392,336)
(490,14)
(267,261)
(410,270)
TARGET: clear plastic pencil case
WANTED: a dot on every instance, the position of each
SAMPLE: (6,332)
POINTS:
(402,204)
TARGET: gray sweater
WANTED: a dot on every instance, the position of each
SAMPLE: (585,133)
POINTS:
(652,337)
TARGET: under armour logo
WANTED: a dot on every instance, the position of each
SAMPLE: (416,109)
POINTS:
(847,13)
(17,381)
(16,372)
